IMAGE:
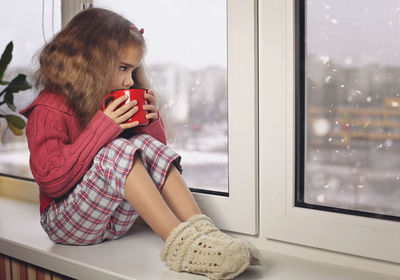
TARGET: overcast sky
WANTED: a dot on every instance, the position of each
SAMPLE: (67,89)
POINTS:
(193,32)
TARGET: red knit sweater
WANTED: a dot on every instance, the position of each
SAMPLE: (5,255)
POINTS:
(60,151)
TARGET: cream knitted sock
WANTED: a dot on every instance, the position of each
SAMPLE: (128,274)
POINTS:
(205,225)
(187,249)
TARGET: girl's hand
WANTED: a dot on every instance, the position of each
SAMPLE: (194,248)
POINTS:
(152,114)
(122,114)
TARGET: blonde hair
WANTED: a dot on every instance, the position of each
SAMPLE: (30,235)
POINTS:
(80,61)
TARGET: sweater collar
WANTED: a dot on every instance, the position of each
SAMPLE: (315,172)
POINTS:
(50,99)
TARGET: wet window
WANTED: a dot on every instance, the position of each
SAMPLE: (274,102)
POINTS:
(348,106)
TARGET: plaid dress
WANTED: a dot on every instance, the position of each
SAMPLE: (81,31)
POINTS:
(95,210)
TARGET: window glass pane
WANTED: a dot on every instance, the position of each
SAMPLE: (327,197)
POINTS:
(187,61)
(22,23)
(352,105)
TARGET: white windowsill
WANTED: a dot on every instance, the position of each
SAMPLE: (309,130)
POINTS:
(135,256)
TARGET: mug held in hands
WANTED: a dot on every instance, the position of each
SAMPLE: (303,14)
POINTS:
(132,94)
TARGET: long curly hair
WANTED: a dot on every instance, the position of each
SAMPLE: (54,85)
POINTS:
(80,61)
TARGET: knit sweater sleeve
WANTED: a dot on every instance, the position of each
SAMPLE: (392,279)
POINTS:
(57,164)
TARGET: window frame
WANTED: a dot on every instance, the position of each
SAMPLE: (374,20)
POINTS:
(242,202)
(282,219)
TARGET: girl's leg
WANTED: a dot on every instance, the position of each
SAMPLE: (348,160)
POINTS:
(185,248)
(97,209)
(178,197)
(144,196)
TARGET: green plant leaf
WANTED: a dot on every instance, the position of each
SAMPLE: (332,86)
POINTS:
(16,121)
(17,84)
(16,124)
(5,59)
(17,131)
(9,99)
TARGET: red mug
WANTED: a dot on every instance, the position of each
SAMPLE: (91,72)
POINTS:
(132,94)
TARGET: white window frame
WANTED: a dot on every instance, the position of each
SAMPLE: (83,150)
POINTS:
(282,220)
(238,212)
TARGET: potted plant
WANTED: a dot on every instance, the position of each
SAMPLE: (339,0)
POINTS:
(19,83)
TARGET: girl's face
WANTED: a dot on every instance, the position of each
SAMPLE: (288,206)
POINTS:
(130,59)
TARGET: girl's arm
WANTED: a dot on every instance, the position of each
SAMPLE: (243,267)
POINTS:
(56,163)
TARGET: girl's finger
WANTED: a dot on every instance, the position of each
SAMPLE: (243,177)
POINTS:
(114,104)
(127,115)
(152,116)
(150,98)
(129,125)
(125,108)
(150,108)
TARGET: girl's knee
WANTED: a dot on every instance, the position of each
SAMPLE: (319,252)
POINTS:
(119,151)
(117,146)
(115,161)
(150,147)
(113,164)
(156,157)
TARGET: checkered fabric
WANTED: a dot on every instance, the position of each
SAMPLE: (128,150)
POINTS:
(95,210)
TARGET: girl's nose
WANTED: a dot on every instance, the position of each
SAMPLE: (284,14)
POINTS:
(128,81)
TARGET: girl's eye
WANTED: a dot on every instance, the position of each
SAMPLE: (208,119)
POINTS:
(123,68)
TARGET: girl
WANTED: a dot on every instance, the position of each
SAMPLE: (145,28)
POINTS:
(96,173)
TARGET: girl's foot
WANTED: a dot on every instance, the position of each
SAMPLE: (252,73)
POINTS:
(187,249)
(205,225)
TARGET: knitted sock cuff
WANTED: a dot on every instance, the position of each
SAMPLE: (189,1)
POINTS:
(171,238)
(206,225)
(199,217)
(202,223)
(185,232)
